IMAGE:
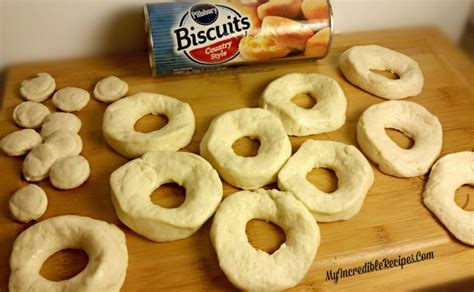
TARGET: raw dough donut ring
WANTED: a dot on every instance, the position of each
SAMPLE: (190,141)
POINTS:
(448,174)
(38,162)
(69,172)
(71,99)
(251,269)
(28,203)
(134,182)
(103,242)
(414,121)
(38,88)
(354,173)
(110,89)
(121,116)
(20,142)
(327,115)
(246,172)
(357,62)
(66,143)
(30,114)
(60,121)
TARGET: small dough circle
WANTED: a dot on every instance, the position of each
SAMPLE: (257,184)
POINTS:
(246,172)
(356,63)
(71,99)
(414,121)
(20,142)
(103,242)
(121,116)
(38,162)
(69,172)
(38,88)
(67,143)
(110,89)
(447,175)
(60,121)
(28,203)
(327,115)
(354,173)
(30,114)
(251,269)
(134,182)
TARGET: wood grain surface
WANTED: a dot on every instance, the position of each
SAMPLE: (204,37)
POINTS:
(393,221)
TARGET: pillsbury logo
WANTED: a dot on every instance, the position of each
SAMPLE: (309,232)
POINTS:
(204,14)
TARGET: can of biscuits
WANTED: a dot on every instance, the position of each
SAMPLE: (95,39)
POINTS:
(190,37)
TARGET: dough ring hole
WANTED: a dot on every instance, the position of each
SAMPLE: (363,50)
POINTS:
(169,195)
(265,236)
(305,101)
(464,197)
(150,123)
(400,138)
(64,264)
(246,146)
(386,73)
(325,179)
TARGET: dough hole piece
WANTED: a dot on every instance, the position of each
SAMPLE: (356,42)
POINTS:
(265,236)
(402,140)
(386,74)
(28,203)
(251,269)
(69,172)
(71,99)
(325,179)
(38,162)
(413,120)
(38,88)
(150,123)
(66,143)
(20,142)
(60,121)
(121,117)
(169,195)
(30,114)
(303,100)
(246,147)
(246,172)
(447,175)
(464,197)
(103,242)
(110,89)
(357,62)
(327,115)
(64,264)
(134,182)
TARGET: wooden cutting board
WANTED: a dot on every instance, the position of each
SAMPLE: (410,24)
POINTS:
(393,221)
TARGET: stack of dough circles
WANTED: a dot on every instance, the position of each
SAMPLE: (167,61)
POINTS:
(60,121)
(66,143)
(28,203)
(354,173)
(71,99)
(103,242)
(134,182)
(39,161)
(415,122)
(121,116)
(110,89)
(246,172)
(69,172)
(38,88)
(30,114)
(448,174)
(20,142)
(356,63)
(327,115)
(251,269)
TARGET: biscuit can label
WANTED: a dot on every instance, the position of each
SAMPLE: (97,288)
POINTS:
(188,37)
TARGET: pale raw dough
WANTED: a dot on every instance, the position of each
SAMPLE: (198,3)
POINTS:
(357,62)
(251,269)
(103,242)
(414,121)
(67,143)
(246,172)
(354,173)
(38,88)
(110,89)
(327,115)
(69,172)
(71,99)
(121,116)
(134,182)
(20,142)
(447,175)
(30,114)
(28,203)
(60,121)
(38,162)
